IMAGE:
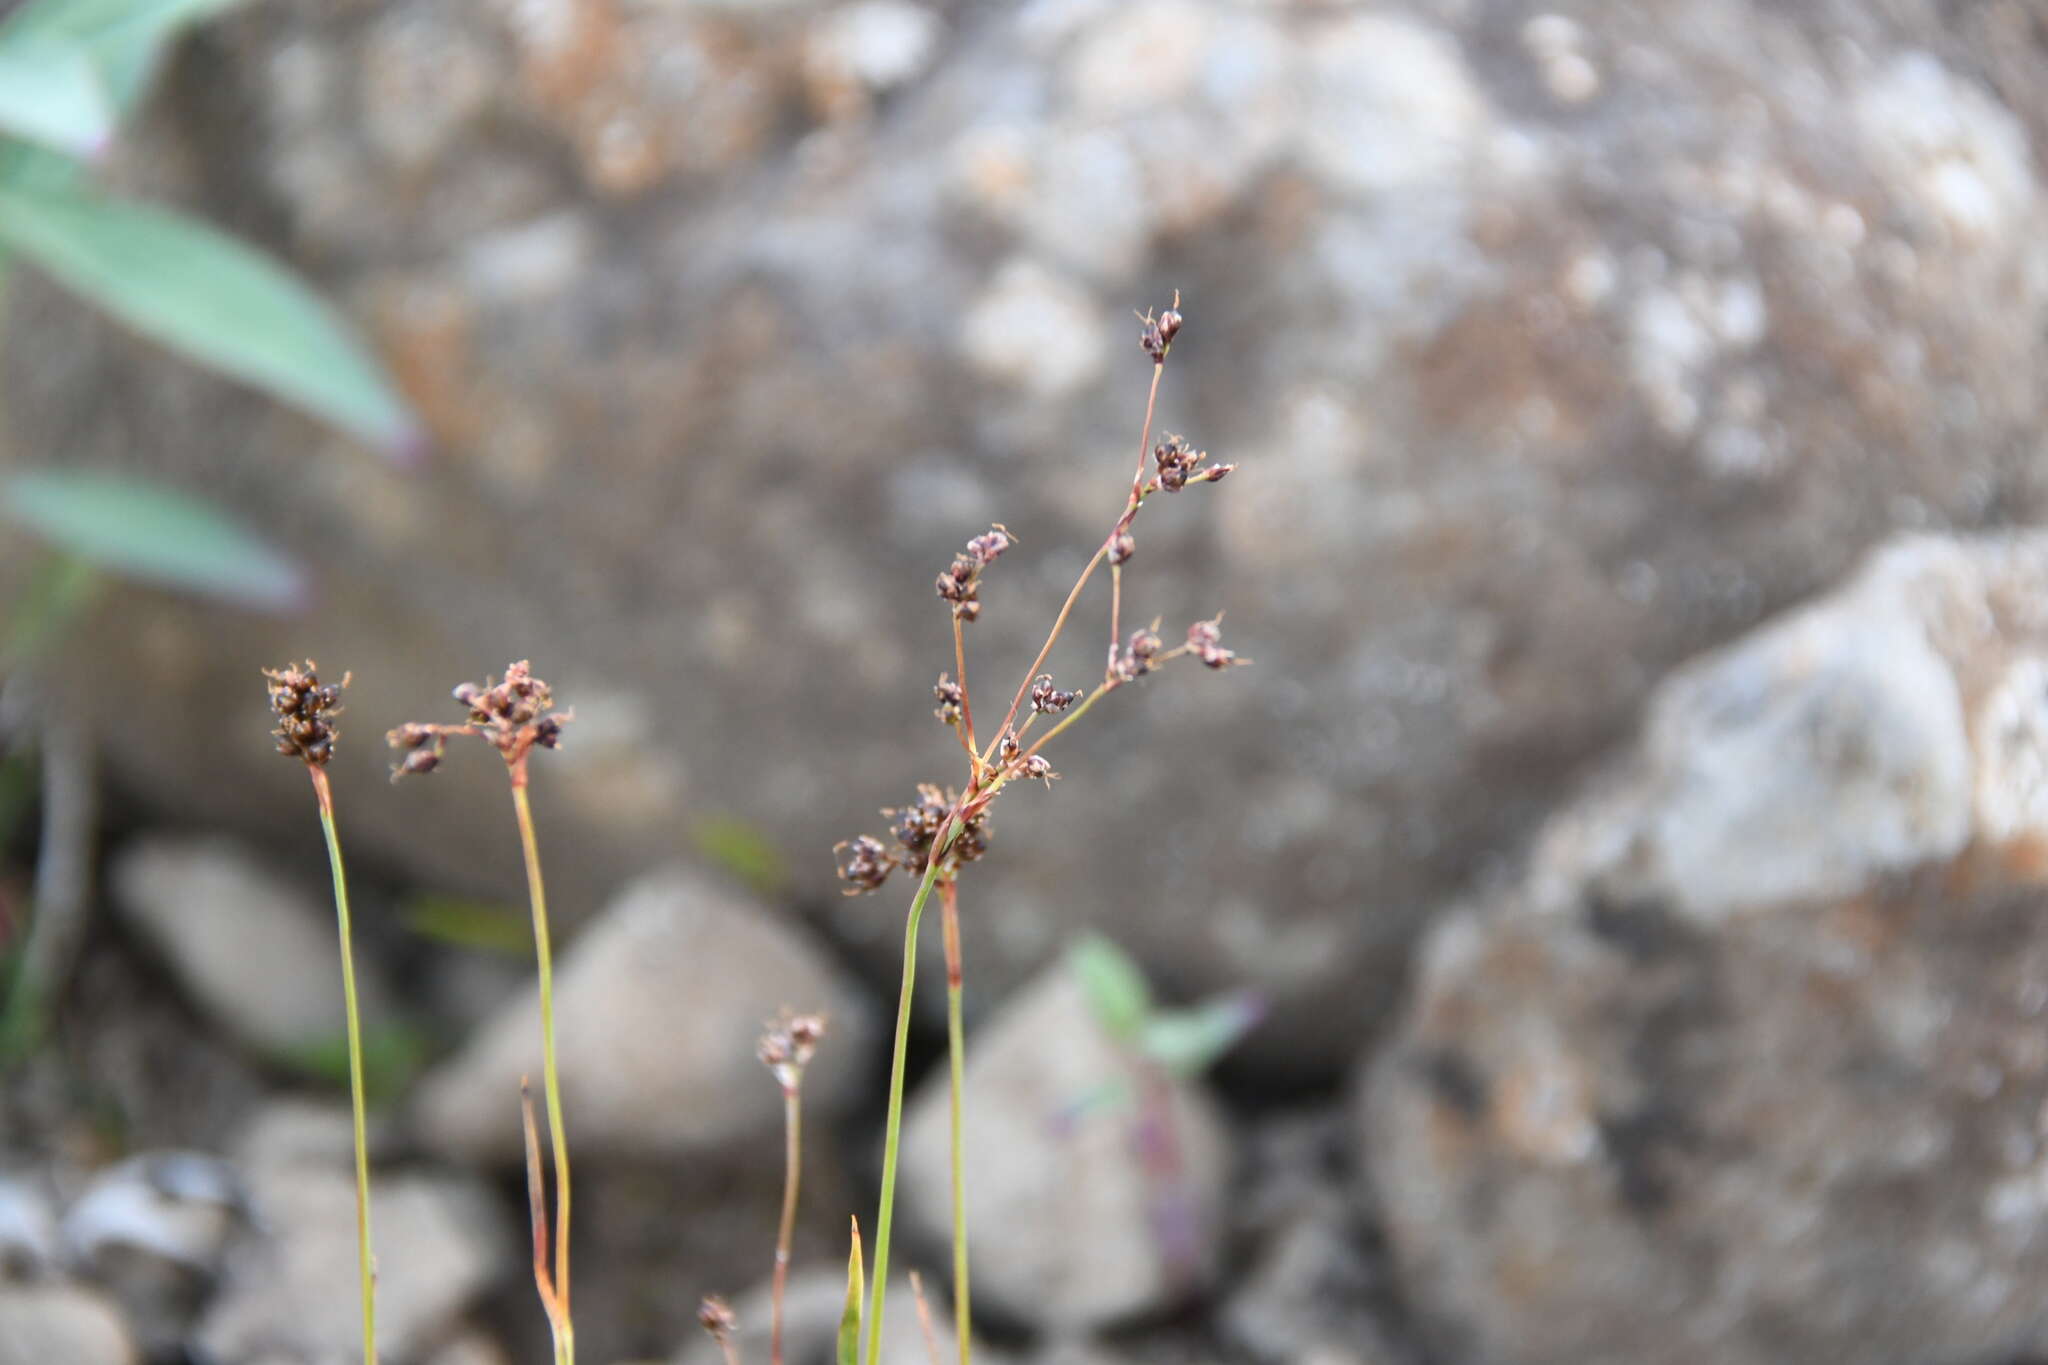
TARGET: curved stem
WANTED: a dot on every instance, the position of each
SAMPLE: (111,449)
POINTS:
(368,1264)
(893,1137)
(956,1057)
(792,1164)
(550,1078)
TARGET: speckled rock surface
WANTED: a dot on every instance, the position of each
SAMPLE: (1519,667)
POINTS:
(1752,1066)
(1556,343)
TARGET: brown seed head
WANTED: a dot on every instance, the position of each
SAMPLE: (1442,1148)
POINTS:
(950,697)
(787,1045)
(513,716)
(305,709)
(1205,642)
(715,1316)
(1156,334)
(1047,699)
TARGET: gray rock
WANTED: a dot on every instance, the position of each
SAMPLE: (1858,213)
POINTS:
(1555,347)
(658,1007)
(28,1228)
(41,1324)
(152,1231)
(288,1295)
(1750,1067)
(1094,1182)
(254,952)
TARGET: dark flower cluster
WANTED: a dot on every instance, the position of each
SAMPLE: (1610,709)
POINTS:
(1180,463)
(960,584)
(1138,658)
(305,709)
(1156,334)
(787,1045)
(1047,700)
(865,862)
(1205,642)
(951,697)
(511,716)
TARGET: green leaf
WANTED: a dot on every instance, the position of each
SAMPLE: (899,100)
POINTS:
(468,924)
(1115,988)
(50,92)
(1188,1042)
(122,38)
(150,532)
(742,851)
(207,295)
(849,1320)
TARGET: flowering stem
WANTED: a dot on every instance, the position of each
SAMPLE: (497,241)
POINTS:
(792,1165)
(893,1135)
(565,1347)
(1102,551)
(966,727)
(956,1057)
(368,1265)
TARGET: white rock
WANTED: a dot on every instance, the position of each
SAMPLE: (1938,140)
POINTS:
(1077,1214)
(256,953)
(61,1324)
(658,1006)
(28,1229)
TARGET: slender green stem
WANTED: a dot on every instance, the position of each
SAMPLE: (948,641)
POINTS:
(325,795)
(956,1058)
(792,1164)
(565,1346)
(892,1139)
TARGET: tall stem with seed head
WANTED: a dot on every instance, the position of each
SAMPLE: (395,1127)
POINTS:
(558,1142)
(367,1260)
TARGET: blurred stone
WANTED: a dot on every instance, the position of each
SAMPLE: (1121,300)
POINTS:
(1095,1182)
(213,913)
(288,1295)
(1751,1066)
(1555,347)
(658,1006)
(28,1228)
(44,1324)
(152,1231)
(470,1346)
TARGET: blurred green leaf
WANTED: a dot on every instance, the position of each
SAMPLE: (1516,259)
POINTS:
(50,92)
(742,851)
(469,924)
(57,595)
(210,297)
(1115,988)
(392,1057)
(849,1319)
(1188,1042)
(150,532)
(123,38)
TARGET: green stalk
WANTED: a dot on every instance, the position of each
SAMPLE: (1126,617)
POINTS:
(325,795)
(893,1137)
(956,1057)
(558,1142)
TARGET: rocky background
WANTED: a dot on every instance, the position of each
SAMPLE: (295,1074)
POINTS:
(1635,824)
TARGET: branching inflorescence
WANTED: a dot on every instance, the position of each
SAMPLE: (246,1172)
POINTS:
(515,717)
(946,827)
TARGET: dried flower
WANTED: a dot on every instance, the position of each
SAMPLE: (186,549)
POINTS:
(305,710)
(866,867)
(1122,546)
(1037,768)
(1157,334)
(715,1316)
(787,1045)
(1137,658)
(512,716)
(1048,700)
(950,697)
(1205,642)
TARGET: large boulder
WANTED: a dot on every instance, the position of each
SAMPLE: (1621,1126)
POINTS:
(1554,349)
(1751,1066)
